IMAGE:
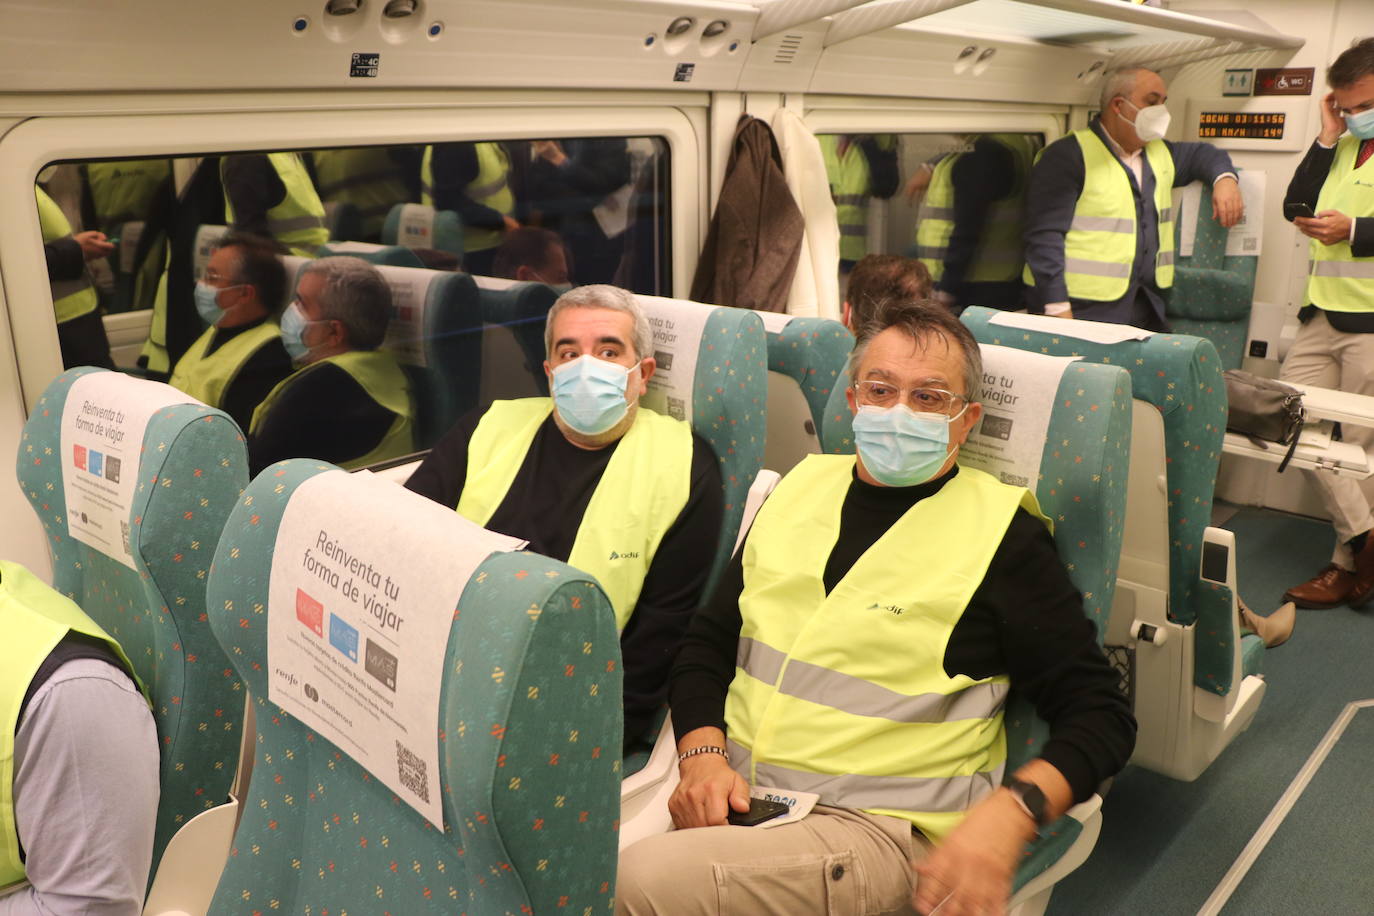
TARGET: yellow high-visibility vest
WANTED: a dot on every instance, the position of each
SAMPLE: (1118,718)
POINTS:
(207,377)
(845,694)
(70,298)
(849,186)
(368,178)
(491,188)
(381,377)
(298,221)
(640,495)
(36,619)
(1337,280)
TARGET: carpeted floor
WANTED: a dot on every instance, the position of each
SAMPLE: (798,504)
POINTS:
(1166,844)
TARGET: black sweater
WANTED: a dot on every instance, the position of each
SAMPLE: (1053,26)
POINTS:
(1025,620)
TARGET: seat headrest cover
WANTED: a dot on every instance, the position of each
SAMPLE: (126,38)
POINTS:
(366,578)
(104,421)
(415,227)
(410,297)
(1018,398)
(1095,331)
(678,326)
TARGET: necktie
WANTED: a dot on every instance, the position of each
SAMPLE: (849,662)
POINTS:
(1366,150)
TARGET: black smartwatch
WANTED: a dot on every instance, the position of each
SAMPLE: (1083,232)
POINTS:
(1030,797)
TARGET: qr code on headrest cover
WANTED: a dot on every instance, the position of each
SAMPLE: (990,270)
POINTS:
(412,771)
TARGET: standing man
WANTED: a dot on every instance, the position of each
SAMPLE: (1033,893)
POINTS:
(1335,345)
(271,194)
(1100,212)
(859,167)
(80,330)
(595,479)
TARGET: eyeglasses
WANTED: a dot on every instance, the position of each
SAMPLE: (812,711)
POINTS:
(922,400)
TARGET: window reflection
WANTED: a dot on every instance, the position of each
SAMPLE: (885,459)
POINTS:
(466,245)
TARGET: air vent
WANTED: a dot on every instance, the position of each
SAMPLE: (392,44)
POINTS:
(788,48)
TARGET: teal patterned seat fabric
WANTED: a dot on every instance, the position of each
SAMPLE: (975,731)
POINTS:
(193,469)
(1212,292)
(446,231)
(812,352)
(528,737)
(1081,487)
(1181,376)
(728,404)
(390,255)
(523,309)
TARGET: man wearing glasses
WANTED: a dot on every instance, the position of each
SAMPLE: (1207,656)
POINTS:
(861,648)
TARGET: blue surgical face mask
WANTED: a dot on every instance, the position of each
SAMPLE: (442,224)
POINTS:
(1361,125)
(589,394)
(899,446)
(207,302)
(293,325)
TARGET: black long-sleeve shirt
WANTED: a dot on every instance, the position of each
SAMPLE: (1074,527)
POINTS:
(545,506)
(256,378)
(64,258)
(1305,187)
(981,177)
(253,187)
(454,166)
(324,414)
(1025,620)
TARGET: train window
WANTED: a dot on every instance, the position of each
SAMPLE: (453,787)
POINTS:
(955,201)
(214,263)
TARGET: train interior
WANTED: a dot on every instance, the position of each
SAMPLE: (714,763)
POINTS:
(614,127)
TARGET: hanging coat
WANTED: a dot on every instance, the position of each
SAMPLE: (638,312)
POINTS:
(755,238)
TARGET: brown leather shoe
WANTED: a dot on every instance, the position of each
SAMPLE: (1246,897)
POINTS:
(1328,588)
(1364,575)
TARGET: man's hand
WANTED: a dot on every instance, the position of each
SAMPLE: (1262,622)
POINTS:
(511,224)
(1333,125)
(550,151)
(93,244)
(1227,205)
(971,871)
(1330,227)
(1061,310)
(709,789)
(918,182)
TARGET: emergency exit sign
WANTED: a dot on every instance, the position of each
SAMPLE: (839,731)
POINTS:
(1238,82)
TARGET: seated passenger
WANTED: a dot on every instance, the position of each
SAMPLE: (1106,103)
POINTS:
(861,647)
(80,330)
(532,255)
(349,402)
(240,357)
(591,478)
(78,760)
(878,279)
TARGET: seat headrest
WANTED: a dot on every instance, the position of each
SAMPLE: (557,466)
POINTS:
(419,296)
(365,582)
(679,327)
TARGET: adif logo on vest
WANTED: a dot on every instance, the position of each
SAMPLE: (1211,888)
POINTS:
(627,555)
(890,608)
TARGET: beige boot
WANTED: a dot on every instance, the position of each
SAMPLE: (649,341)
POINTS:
(1274,629)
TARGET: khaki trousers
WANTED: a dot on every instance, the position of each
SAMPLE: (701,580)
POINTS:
(834,862)
(1327,358)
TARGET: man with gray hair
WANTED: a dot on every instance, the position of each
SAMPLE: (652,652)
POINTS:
(859,651)
(349,402)
(1100,208)
(593,478)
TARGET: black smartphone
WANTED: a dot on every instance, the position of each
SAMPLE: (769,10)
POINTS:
(1292,211)
(759,811)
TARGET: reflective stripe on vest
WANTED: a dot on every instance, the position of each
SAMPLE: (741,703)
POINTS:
(298,220)
(849,187)
(380,376)
(155,347)
(641,493)
(997,257)
(206,378)
(845,694)
(70,298)
(36,619)
(1100,247)
(1337,280)
(491,188)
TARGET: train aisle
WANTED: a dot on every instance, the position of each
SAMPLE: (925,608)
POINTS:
(1166,846)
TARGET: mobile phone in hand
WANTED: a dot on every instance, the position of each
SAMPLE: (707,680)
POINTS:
(759,811)
(1292,211)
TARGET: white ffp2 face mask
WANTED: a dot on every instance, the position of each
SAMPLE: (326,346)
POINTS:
(1151,122)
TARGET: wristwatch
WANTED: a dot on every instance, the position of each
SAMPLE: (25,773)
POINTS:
(1030,798)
